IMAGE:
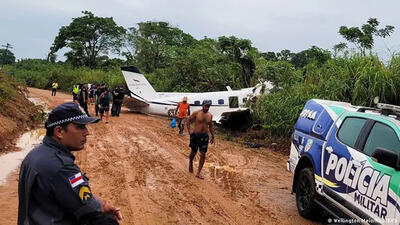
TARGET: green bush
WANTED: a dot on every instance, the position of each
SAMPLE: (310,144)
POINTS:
(41,74)
(357,80)
(7,88)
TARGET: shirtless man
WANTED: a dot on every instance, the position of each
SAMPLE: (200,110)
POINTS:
(199,137)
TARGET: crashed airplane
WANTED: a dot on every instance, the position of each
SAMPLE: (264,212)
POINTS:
(224,103)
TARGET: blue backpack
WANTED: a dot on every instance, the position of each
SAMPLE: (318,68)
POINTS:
(173,123)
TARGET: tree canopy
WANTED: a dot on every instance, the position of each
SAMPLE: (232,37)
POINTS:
(239,50)
(6,57)
(152,45)
(363,38)
(89,37)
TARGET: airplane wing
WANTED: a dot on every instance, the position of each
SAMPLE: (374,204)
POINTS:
(135,104)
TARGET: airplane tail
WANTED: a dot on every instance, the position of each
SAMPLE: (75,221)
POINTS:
(138,85)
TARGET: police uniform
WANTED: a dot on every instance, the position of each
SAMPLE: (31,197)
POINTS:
(52,189)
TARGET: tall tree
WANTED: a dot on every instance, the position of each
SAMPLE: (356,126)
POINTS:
(89,37)
(6,57)
(152,45)
(285,55)
(201,67)
(239,50)
(270,56)
(313,54)
(339,48)
(363,38)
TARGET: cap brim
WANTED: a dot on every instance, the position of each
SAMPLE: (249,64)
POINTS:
(86,120)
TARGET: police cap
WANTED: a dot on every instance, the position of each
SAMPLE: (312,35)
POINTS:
(69,112)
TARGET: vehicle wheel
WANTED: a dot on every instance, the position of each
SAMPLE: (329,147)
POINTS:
(305,193)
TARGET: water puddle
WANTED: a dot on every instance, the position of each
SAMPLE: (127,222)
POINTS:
(10,161)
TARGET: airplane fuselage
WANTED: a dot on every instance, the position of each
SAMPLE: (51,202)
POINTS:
(224,103)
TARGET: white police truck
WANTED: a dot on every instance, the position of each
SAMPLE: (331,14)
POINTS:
(345,159)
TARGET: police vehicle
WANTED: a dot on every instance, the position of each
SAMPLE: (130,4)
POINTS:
(345,159)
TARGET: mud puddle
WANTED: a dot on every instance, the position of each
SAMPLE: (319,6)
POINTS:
(10,162)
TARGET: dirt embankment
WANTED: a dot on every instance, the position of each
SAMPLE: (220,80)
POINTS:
(141,165)
(17,113)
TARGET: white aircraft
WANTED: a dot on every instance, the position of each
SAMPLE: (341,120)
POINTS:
(224,103)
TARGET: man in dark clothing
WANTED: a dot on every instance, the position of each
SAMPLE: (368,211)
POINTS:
(104,104)
(114,93)
(52,190)
(98,92)
(83,98)
(118,98)
(92,89)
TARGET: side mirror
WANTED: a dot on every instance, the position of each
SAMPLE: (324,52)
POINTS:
(387,157)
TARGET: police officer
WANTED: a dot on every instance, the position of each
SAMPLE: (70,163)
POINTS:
(75,92)
(52,189)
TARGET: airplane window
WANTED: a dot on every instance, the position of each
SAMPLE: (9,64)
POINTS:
(233,102)
(196,102)
(220,101)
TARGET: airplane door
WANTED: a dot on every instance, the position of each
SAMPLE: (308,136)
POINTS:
(233,102)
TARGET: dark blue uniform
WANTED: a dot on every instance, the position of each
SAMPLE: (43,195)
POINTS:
(52,190)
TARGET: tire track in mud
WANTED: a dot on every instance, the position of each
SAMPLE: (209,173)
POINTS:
(170,174)
(224,178)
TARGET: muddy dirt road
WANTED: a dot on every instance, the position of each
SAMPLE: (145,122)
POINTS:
(141,165)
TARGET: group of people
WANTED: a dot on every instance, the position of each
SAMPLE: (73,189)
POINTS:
(99,95)
(52,189)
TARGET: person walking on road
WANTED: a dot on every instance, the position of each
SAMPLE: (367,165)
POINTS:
(92,90)
(83,97)
(97,94)
(54,86)
(182,111)
(118,98)
(199,138)
(52,189)
(105,104)
(75,93)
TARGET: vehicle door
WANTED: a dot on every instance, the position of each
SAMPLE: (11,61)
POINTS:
(337,163)
(375,184)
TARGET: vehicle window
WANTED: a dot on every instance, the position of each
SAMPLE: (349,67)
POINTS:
(233,102)
(382,136)
(220,101)
(350,129)
(196,102)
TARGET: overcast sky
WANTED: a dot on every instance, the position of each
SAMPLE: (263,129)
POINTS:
(272,25)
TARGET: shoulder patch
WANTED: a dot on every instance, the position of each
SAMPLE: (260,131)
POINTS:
(85,194)
(76,180)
